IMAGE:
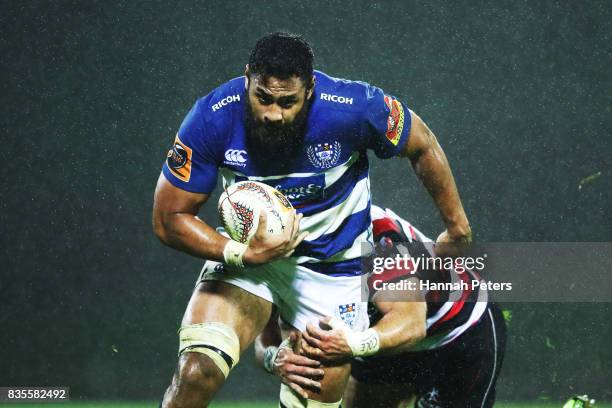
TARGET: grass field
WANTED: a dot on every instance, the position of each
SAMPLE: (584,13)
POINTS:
(271,404)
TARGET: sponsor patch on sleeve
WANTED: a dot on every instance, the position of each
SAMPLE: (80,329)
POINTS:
(179,160)
(395,120)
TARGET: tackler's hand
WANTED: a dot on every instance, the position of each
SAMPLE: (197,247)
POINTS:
(300,373)
(329,342)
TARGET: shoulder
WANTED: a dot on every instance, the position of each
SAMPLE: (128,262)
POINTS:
(208,126)
(223,102)
(343,94)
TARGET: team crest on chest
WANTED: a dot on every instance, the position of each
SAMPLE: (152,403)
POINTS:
(324,155)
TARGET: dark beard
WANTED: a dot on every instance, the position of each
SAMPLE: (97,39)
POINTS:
(275,146)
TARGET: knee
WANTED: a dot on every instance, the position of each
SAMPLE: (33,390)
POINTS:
(197,372)
(195,382)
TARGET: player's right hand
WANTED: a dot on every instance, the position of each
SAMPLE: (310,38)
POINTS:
(265,247)
(296,371)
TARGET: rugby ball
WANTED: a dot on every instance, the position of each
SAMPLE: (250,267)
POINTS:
(241,204)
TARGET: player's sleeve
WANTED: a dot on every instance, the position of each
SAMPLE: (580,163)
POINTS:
(387,123)
(191,163)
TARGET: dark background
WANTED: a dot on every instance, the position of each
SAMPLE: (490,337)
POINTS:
(518,93)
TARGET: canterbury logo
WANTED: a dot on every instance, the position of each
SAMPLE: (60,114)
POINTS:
(235,156)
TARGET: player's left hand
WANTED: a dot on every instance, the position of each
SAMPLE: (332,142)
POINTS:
(325,343)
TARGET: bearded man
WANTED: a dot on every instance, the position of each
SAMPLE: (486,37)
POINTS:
(306,134)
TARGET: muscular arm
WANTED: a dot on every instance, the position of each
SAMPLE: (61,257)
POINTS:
(403,324)
(432,168)
(176,224)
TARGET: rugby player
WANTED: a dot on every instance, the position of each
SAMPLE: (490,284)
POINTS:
(306,134)
(439,351)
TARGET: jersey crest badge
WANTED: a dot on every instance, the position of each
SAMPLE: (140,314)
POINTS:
(324,155)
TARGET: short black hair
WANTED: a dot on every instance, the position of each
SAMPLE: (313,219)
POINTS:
(282,55)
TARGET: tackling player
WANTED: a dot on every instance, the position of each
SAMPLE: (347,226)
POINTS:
(306,134)
(442,352)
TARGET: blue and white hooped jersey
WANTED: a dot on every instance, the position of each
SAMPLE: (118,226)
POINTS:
(328,181)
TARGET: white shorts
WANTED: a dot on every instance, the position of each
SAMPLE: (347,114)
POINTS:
(300,294)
